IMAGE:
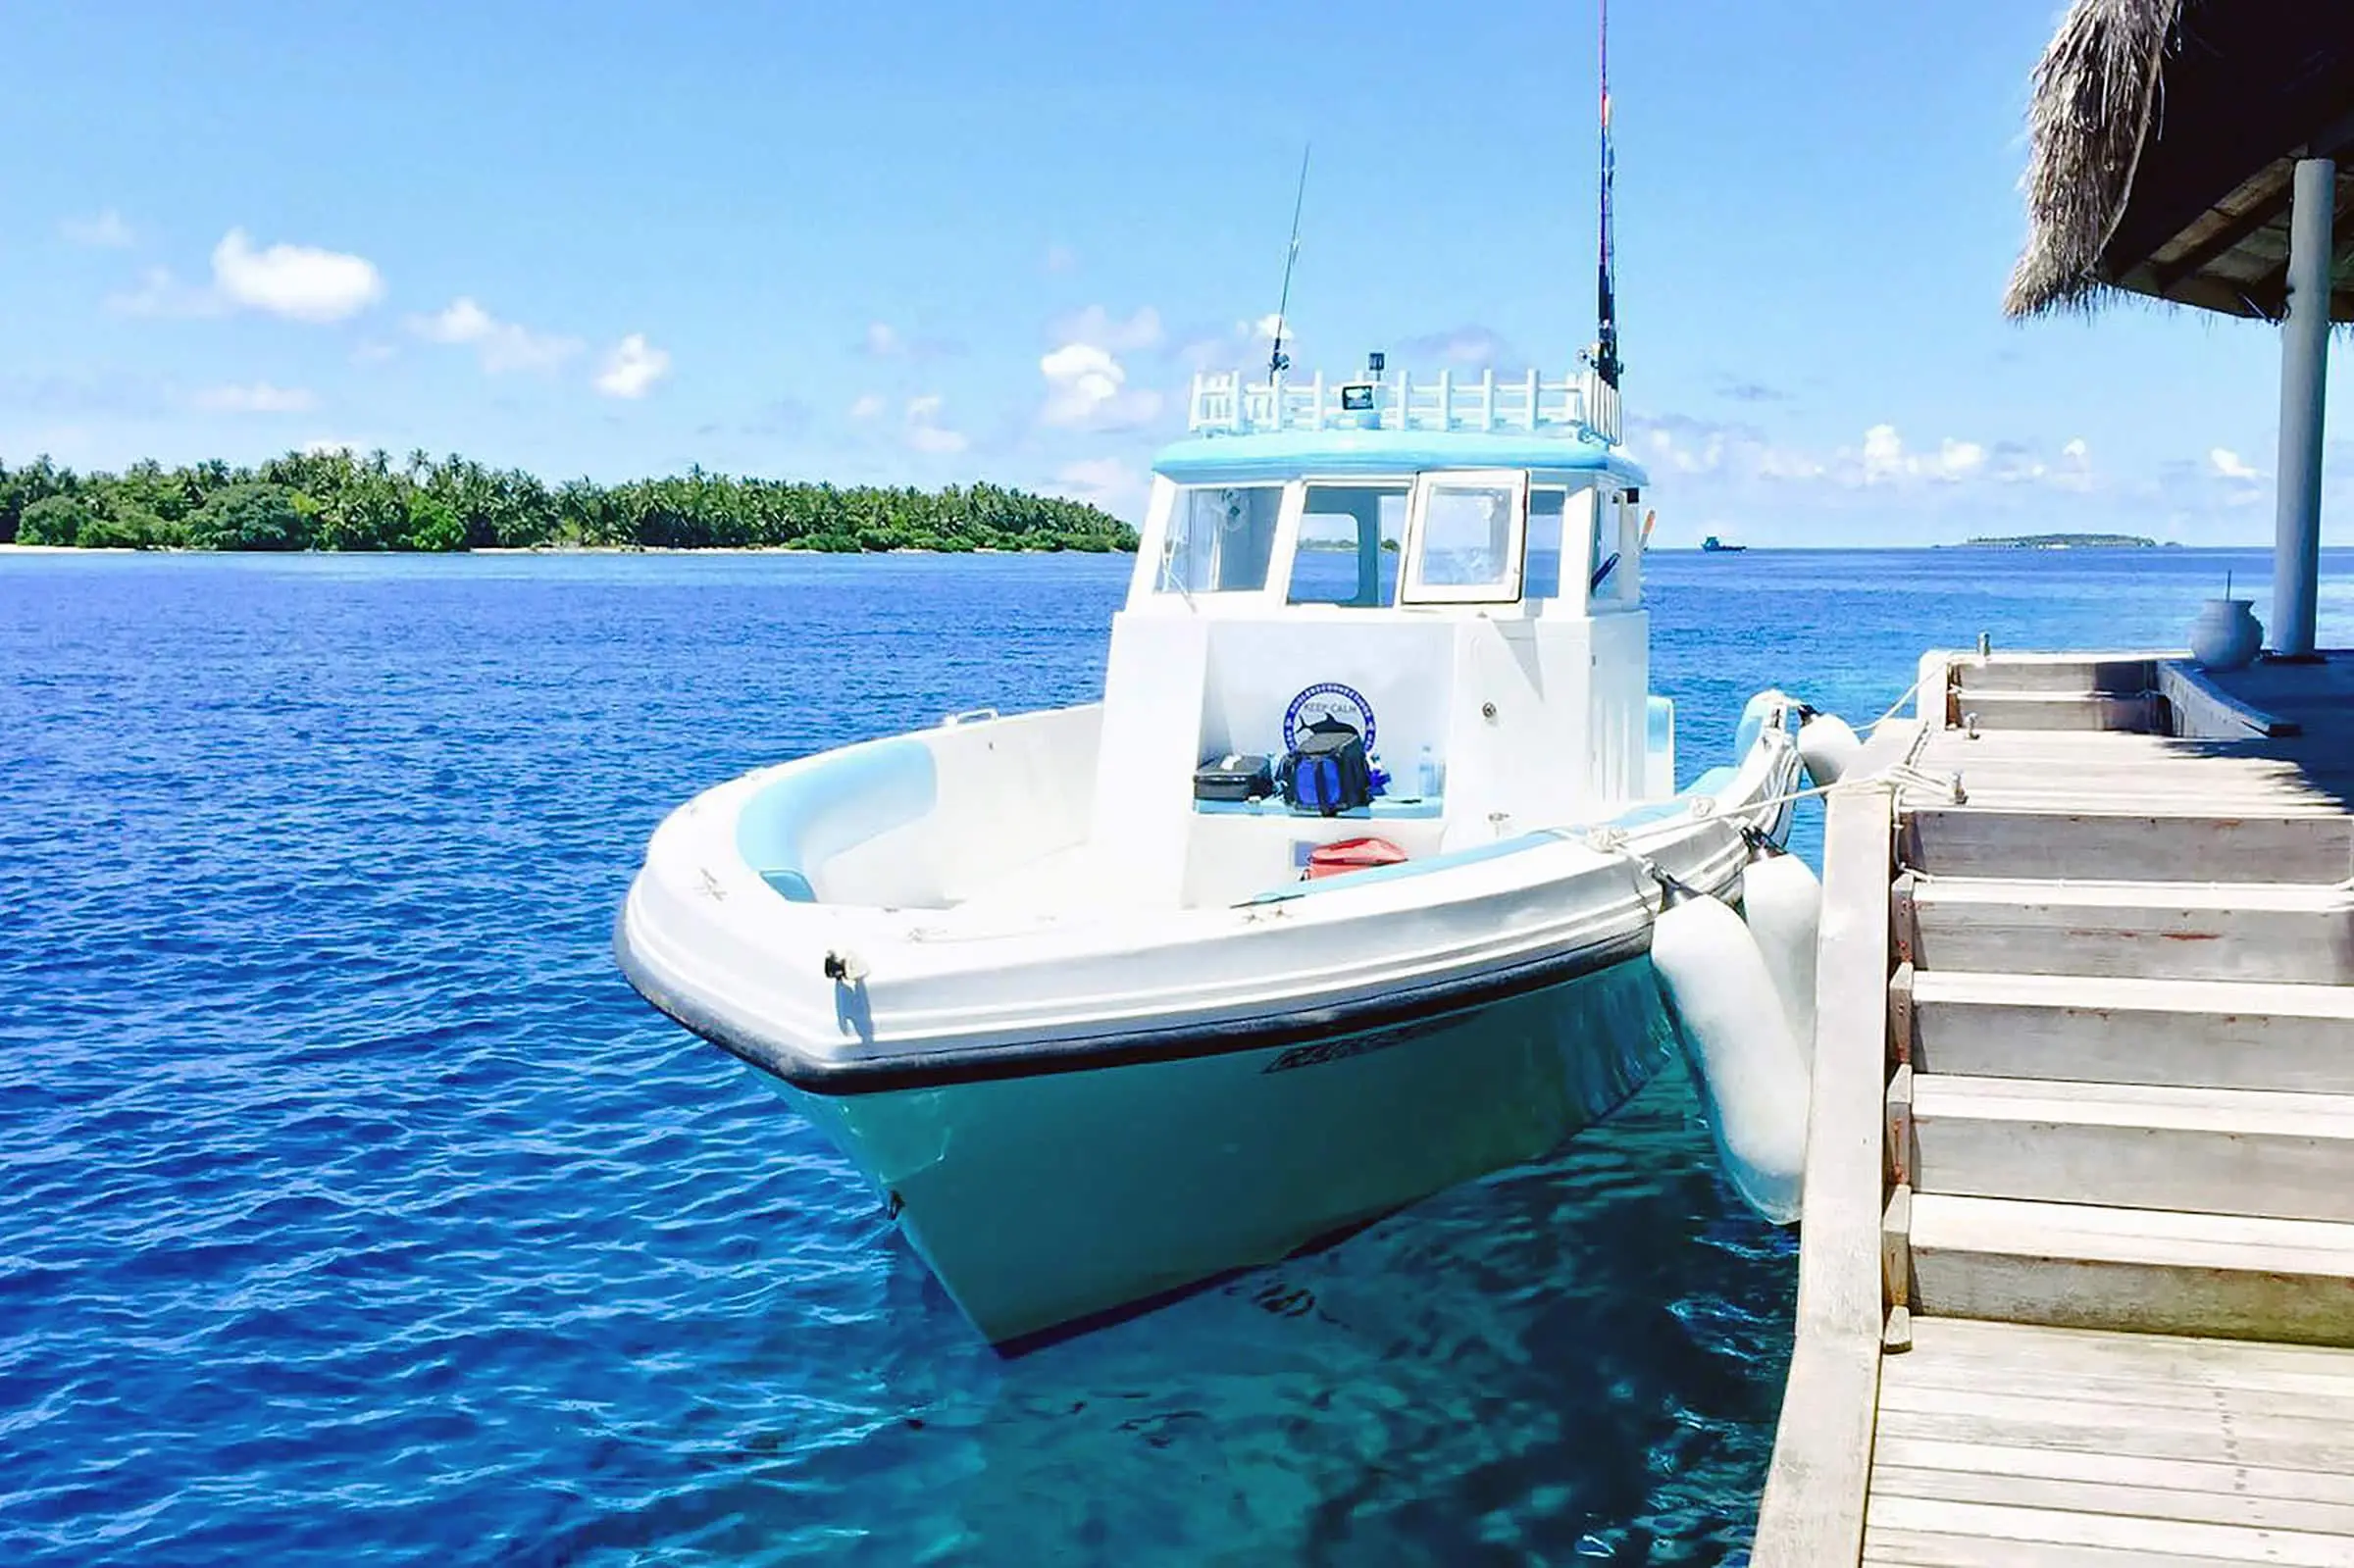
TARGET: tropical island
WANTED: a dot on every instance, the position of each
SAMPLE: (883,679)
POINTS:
(2059,541)
(341,501)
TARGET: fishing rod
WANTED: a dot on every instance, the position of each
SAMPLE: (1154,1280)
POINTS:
(1277,360)
(1606,349)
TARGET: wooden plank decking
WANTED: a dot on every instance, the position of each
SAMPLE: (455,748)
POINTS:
(2077,1273)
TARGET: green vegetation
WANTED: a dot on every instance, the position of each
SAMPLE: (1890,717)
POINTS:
(2061,541)
(338,501)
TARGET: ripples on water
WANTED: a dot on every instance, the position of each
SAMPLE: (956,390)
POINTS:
(352,1208)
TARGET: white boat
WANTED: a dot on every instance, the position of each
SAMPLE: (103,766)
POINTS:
(1096,1038)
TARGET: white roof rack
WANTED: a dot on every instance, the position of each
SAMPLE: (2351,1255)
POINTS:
(1578,406)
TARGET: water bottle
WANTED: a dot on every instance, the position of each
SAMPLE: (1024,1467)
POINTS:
(1426,776)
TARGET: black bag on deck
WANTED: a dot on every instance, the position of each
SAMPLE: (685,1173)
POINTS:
(1326,770)
(1234,778)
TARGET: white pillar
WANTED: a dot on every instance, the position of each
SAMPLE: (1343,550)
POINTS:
(2304,379)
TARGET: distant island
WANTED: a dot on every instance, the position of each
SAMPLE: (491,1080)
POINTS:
(2059,541)
(340,500)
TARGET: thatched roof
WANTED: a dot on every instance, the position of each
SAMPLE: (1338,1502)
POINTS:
(2163,135)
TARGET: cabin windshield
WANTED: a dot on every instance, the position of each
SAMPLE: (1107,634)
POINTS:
(1349,538)
(1468,531)
(1558,543)
(1220,539)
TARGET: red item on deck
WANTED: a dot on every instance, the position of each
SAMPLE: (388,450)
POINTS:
(1351,854)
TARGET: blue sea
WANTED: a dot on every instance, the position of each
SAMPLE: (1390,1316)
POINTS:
(353,1209)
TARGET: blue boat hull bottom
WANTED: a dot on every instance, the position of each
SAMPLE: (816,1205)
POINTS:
(1043,1199)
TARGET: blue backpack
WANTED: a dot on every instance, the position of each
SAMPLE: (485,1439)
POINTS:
(1326,770)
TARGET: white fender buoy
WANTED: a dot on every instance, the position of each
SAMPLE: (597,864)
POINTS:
(1828,748)
(1783,904)
(1751,1072)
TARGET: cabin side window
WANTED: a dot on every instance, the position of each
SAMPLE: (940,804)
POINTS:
(1350,538)
(1618,551)
(1601,548)
(1220,539)
(1541,578)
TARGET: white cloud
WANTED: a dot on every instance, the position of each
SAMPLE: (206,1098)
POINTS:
(924,431)
(1957,459)
(633,368)
(1098,327)
(1110,483)
(1775,463)
(2070,470)
(2228,463)
(1884,453)
(501,345)
(1080,379)
(1087,388)
(882,341)
(867,407)
(103,231)
(1242,343)
(1884,458)
(298,282)
(1713,448)
(258,398)
(1684,445)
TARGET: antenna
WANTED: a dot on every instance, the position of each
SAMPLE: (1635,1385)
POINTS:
(1606,349)
(1277,360)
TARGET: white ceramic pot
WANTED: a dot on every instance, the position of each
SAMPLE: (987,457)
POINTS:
(2225,635)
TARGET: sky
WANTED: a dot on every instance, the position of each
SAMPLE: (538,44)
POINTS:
(922,243)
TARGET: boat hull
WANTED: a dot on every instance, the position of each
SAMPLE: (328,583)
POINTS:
(1044,1199)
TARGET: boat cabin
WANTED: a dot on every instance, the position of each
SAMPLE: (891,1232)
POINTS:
(1451,567)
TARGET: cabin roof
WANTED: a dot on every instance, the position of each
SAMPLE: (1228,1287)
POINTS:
(1364,453)
(2164,136)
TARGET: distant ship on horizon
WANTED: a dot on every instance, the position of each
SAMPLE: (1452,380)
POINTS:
(1716,546)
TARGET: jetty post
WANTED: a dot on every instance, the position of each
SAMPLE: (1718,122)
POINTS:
(2304,379)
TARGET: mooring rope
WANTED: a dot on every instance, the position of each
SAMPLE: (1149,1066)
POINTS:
(1895,707)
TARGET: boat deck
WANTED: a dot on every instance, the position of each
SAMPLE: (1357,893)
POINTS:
(2077,1278)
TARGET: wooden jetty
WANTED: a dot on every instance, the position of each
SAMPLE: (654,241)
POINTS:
(2076,1270)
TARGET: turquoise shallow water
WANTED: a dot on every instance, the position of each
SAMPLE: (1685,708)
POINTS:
(353,1211)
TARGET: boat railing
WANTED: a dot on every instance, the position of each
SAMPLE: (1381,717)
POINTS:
(1579,405)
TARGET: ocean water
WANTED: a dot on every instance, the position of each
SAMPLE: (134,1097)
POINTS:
(353,1211)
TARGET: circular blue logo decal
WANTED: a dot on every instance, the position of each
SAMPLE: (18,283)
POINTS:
(1328,699)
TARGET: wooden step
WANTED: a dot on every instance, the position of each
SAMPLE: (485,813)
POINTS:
(2220,1033)
(2155,931)
(2061,673)
(2058,710)
(2136,1146)
(2145,1271)
(2303,845)
(2237,1450)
